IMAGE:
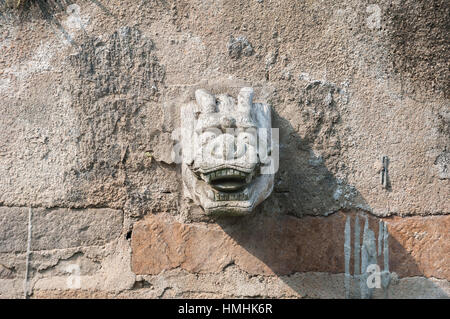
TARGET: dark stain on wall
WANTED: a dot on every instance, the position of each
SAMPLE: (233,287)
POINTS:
(419,44)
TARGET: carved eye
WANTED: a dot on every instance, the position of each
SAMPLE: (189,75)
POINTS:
(248,138)
(209,135)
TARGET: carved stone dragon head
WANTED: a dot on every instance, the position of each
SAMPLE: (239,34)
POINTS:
(226,147)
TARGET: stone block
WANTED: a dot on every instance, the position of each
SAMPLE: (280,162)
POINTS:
(283,245)
(65,228)
(13,229)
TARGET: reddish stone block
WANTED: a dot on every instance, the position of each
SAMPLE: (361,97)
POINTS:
(281,245)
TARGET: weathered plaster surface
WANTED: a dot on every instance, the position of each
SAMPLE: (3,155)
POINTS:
(89,97)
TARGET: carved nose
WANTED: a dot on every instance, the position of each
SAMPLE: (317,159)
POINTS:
(223,147)
(228,147)
(227,122)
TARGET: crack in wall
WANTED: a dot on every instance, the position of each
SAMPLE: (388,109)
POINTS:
(27,264)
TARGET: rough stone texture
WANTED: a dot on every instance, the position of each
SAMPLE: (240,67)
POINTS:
(261,246)
(12,274)
(180,284)
(65,228)
(284,245)
(425,241)
(12,266)
(13,229)
(343,92)
(89,97)
(11,288)
(104,268)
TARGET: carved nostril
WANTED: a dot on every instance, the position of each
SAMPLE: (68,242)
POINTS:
(206,100)
(227,122)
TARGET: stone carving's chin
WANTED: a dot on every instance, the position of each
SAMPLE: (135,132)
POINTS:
(241,202)
(237,194)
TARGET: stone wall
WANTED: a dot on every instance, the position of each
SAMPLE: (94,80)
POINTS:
(91,202)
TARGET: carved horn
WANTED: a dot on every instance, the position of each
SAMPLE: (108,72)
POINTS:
(206,100)
(245,100)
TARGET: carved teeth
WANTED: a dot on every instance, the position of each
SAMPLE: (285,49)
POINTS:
(228,172)
(218,196)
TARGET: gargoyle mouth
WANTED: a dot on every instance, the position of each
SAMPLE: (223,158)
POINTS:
(228,179)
